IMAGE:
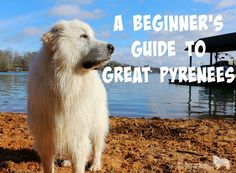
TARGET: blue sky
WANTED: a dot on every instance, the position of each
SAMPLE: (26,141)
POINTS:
(22,22)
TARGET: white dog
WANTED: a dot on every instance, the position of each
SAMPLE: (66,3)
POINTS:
(67,102)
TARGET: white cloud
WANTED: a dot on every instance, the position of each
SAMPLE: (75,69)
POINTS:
(104,34)
(32,31)
(229,20)
(21,19)
(225,4)
(75,11)
(74,1)
(204,1)
(25,35)
(218,4)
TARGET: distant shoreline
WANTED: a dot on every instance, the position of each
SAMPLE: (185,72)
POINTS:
(14,71)
(111,64)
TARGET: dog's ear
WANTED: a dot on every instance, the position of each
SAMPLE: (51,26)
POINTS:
(50,36)
(47,38)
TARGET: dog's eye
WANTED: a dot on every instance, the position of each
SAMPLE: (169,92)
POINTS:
(83,36)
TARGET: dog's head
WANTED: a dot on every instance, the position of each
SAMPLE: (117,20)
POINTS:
(74,45)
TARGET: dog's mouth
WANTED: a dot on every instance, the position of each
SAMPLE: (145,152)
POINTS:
(95,64)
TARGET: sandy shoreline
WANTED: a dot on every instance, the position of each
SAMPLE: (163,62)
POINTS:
(134,145)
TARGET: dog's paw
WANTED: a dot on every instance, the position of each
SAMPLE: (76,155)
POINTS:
(65,163)
(95,167)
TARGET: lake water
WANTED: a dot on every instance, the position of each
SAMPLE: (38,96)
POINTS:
(138,100)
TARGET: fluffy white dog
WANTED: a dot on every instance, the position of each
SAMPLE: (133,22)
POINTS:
(67,102)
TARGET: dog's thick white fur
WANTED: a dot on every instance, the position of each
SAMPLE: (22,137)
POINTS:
(67,102)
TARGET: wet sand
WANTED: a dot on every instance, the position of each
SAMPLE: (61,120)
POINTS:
(134,145)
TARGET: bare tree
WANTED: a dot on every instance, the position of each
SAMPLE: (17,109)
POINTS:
(12,60)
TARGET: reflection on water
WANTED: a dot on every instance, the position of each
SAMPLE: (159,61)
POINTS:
(220,101)
(134,100)
(13,92)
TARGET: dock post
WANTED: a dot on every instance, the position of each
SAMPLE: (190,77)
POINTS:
(216,57)
(190,61)
(211,58)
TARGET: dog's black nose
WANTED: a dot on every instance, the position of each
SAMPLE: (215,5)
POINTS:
(110,48)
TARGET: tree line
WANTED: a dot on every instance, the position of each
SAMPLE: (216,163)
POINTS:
(14,61)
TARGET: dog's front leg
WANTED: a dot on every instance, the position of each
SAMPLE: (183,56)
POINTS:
(98,145)
(47,163)
(80,155)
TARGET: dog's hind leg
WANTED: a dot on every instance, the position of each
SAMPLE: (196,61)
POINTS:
(80,156)
(98,145)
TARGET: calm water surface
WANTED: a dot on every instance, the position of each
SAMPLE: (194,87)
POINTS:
(138,100)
